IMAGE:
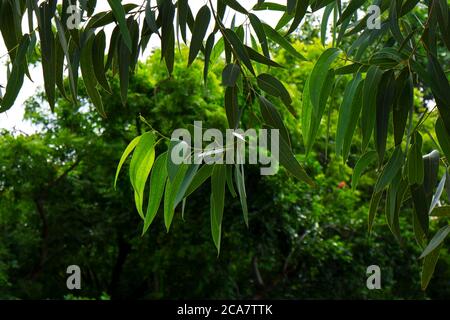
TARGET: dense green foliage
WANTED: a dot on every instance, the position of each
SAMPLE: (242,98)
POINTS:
(58,207)
(375,97)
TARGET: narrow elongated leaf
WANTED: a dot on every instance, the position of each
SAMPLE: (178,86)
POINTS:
(260,33)
(431,168)
(437,240)
(200,177)
(345,112)
(350,10)
(98,59)
(374,203)
(231,106)
(230,74)
(415,162)
(119,14)
(361,165)
(47,42)
(87,70)
(355,111)
(274,87)
(300,11)
(429,264)
(158,179)
(15,79)
(272,117)
(443,138)
(140,166)
(125,155)
(239,48)
(240,183)
(256,56)
(438,193)
(234,4)
(218,180)
(198,34)
(282,42)
(385,99)
(171,191)
(402,106)
(420,215)
(208,49)
(390,170)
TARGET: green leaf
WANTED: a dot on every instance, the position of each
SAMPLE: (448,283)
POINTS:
(240,183)
(300,11)
(438,193)
(282,42)
(15,79)
(374,203)
(324,24)
(172,189)
(429,264)
(403,104)
(431,168)
(200,177)
(420,215)
(125,155)
(260,33)
(361,165)
(443,138)
(274,87)
(182,17)
(290,6)
(119,14)
(230,183)
(290,163)
(231,106)
(385,99)
(98,59)
(140,166)
(236,6)
(355,111)
(47,42)
(218,179)
(391,169)
(345,113)
(441,89)
(198,34)
(443,211)
(256,56)
(272,117)
(269,6)
(350,10)
(191,172)
(415,162)
(230,74)
(87,70)
(239,48)
(208,49)
(437,240)
(158,179)
(63,42)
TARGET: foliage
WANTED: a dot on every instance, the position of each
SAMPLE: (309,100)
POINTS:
(299,244)
(386,64)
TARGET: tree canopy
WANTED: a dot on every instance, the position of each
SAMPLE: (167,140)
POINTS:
(380,51)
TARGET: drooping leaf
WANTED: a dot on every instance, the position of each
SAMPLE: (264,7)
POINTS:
(437,240)
(87,70)
(240,183)
(374,203)
(218,179)
(429,264)
(260,33)
(438,193)
(443,138)
(15,79)
(230,74)
(415,162)
(390,170)
(140,166)
(119,14)
(282,42)
(158,179)
(273,118)
(98,59)
(125,155)
(361,165)
(239,48)
(385,99)
(274,87)
(198,34)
